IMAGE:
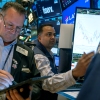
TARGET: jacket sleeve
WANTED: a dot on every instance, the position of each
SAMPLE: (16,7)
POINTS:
(58,81)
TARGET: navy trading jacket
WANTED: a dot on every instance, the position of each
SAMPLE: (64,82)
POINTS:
(91,86)
(40,49)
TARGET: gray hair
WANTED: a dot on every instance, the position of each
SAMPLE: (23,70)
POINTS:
(18,7)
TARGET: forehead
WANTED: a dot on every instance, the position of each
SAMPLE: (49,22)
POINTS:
(48,29)
(10,11)
(14,15)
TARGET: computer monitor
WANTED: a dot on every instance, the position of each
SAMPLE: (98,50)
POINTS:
(86,32)
(65,45)
(68,15)
(48,8)
(56,60)
(66,3)
(54,50)
(65,37)
(55,21)
(95,4)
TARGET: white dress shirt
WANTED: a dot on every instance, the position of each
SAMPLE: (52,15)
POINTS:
(4,51)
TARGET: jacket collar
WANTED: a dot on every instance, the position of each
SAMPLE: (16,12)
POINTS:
(43,49)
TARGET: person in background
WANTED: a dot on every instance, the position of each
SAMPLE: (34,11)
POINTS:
(45,64)
(16,60)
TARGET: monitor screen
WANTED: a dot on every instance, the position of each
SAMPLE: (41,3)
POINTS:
(56,61)
(54,50)
(66,3)
(95,3)
(86,34)
(68,15)
(56,21)
(48,8)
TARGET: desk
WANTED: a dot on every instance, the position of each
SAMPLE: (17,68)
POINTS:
(69,95)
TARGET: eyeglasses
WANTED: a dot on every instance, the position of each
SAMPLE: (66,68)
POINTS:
(10,26)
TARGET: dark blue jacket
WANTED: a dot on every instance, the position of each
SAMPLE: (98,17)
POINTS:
(91,86)
(40,49)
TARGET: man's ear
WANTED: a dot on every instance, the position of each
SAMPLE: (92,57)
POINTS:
(39,37)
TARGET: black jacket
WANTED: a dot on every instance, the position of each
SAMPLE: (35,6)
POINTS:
(25,62)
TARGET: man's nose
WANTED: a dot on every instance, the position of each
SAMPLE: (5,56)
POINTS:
(53,36)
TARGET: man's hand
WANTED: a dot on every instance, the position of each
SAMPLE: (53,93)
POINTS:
(82,65)
(5,79)
(14,95)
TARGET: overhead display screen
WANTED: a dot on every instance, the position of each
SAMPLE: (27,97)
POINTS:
(48,8)
(66,3)
(68,15)
(95,4)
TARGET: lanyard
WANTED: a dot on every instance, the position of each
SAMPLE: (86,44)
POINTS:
(7,57)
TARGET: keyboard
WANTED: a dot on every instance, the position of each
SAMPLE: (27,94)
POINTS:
(75,87)
(73,94)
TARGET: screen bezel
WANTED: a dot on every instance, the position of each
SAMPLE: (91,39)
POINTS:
(50,16)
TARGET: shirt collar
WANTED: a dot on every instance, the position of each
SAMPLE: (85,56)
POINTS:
(2,44)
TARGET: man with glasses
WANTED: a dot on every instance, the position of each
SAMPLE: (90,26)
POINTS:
(10,26)
(15,57)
